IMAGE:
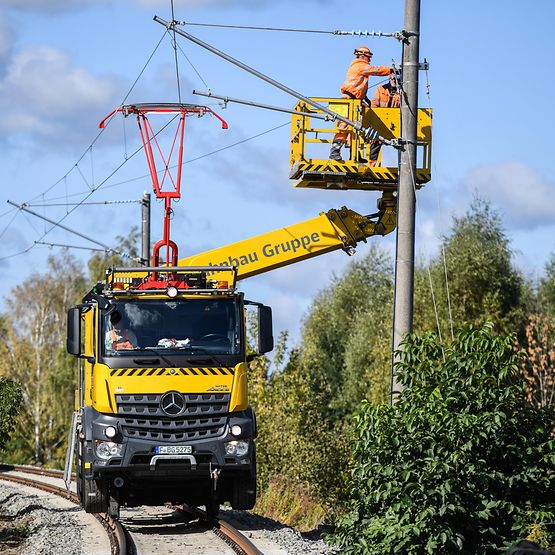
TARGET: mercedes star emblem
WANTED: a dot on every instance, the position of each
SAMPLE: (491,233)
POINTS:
(172,403)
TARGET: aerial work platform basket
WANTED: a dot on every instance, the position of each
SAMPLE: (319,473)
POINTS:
(311,140)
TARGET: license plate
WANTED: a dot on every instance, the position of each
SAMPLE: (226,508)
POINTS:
(173,449)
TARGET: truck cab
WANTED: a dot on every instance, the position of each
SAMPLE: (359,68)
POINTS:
(162,411)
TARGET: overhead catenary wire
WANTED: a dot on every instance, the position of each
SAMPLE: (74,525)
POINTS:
(103,186)
(93,142)
(78,233)
(273,82)
(439,211)
(58,223)
(146,176)
(101,202)
(336,32)
(72,247)
(192,65)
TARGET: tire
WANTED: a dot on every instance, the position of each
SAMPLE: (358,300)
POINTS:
(243,489)
(93,494)
(244,492)
(212,508)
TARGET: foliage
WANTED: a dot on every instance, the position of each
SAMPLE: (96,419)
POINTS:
(10,403)
(539,364)
(34,354)
(292,503)
(293,432)
(482,282)
(346,341)
(546,293)
(462,463)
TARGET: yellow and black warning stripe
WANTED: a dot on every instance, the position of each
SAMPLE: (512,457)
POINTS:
(147,372)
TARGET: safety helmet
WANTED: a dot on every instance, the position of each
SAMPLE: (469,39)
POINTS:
(363,50)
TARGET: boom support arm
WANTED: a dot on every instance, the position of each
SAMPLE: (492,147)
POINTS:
(330,231)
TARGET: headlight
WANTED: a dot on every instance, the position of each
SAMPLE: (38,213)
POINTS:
(107,449)
(110,432)
(237,448)
(236,430)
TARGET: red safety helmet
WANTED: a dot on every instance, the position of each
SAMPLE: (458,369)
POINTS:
(363,51)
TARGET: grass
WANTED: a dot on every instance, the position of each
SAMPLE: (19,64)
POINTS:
(291,503)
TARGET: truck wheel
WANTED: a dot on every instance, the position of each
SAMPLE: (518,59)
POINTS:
(212,508)
(243,494)
(93,494)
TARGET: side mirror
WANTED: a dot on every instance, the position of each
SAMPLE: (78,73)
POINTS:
(265,330)
(74,331)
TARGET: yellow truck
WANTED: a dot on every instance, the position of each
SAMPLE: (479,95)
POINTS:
(162,411)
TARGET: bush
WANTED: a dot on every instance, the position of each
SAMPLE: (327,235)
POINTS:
(10,401)
(463,463)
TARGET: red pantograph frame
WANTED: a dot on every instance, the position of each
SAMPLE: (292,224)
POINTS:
(148,137)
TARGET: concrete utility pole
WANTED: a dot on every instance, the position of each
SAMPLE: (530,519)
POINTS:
(145,235)
(406,199)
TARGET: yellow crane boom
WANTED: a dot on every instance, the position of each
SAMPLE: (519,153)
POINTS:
(330,231)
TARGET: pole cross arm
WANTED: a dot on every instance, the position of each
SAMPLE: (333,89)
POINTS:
(333,116)
(227,99)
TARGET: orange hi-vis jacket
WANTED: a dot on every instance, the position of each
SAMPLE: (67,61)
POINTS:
(117,342)
(386,96)
(356,81)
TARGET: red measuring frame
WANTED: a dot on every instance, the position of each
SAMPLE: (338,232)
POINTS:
(173,185)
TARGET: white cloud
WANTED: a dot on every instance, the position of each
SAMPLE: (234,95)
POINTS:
(6,40)
(523,195)
(48,6)
(50,97)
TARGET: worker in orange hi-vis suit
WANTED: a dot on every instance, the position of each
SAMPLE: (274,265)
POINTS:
(386,96)
(355,87)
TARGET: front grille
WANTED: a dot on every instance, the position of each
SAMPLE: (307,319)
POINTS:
(204,417)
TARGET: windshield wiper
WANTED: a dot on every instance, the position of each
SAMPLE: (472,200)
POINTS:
(211,356)
(161,355)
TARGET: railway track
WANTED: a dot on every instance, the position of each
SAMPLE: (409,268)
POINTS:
(147,530)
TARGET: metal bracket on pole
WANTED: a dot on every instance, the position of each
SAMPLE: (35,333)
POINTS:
(404,35)
(423,66)
(332,114)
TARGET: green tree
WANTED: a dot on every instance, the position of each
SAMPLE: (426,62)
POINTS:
(482,281)
(463,463)
(346,338)
(34,354)
(296,446)
(546,289)
(304,405)
(10,403)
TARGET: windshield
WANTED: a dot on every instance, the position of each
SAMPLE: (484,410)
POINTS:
(192,326)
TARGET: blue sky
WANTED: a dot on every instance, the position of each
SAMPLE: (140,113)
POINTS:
(65,64)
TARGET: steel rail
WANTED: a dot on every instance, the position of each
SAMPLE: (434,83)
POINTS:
(221,528)
(233,537)
(224,530)
(116,533)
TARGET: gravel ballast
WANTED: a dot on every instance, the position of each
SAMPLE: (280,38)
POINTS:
(52,528)
(55,526)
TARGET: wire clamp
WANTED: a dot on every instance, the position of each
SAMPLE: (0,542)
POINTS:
(405,35)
